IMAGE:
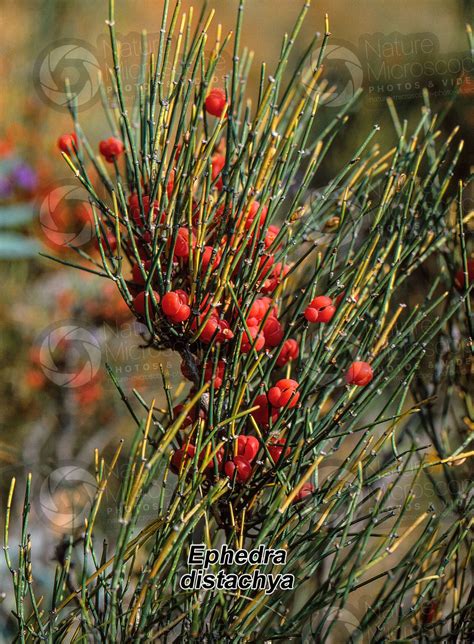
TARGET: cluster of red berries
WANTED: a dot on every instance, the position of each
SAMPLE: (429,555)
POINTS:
(262,330)
(175,306)
(283,394)
(321,310)
(239,464)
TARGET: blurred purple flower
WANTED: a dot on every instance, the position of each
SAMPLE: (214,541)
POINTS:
(24,177)
(6,188)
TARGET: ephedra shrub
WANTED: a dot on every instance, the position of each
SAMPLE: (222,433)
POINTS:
(301,343)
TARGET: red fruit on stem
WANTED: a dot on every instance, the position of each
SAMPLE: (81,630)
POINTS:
(181,456)
(284,393)
(289,351)
(135,211)
(241,465)
(181,249)
(219,375)
(170,184)
(206,258)
(359,373)
(264,412)
(182,315)
(306,490)
(139,303)
(253,210)
(279,273)
(215,102)
(171,303)
(137,274)
(206,455)
(67,142)
(273,332)
(276,447)
(225,332)
(271,235)
(217,164)
(111,148)
(321,309)
(256,340)
(190,418)
(210,328)
(259,308)
(175,306)
(247,446)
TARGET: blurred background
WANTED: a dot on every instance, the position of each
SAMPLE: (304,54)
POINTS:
(59,327)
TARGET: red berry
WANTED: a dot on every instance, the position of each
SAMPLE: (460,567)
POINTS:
(264,412)
(273,332)
(321,309)
(259,309)
(459,278)
(135,210)
(284,393)
(171,303)
(205,454)
(252,213)
(271,235)
(306,490)
(175,306)
(215,102)
(243,467)
(111,240)
(247,446)
(181,456)
(139,303)
(206,258)
(67,142)
(111,148)
(225,332)
(219,375)
(210,328)
(255,341)
(170,184)
(289,351)
(191,417)
(137,274)
(218,163)
(359,373)
(275,449)
(181,249)
(182,315)
(279,273)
